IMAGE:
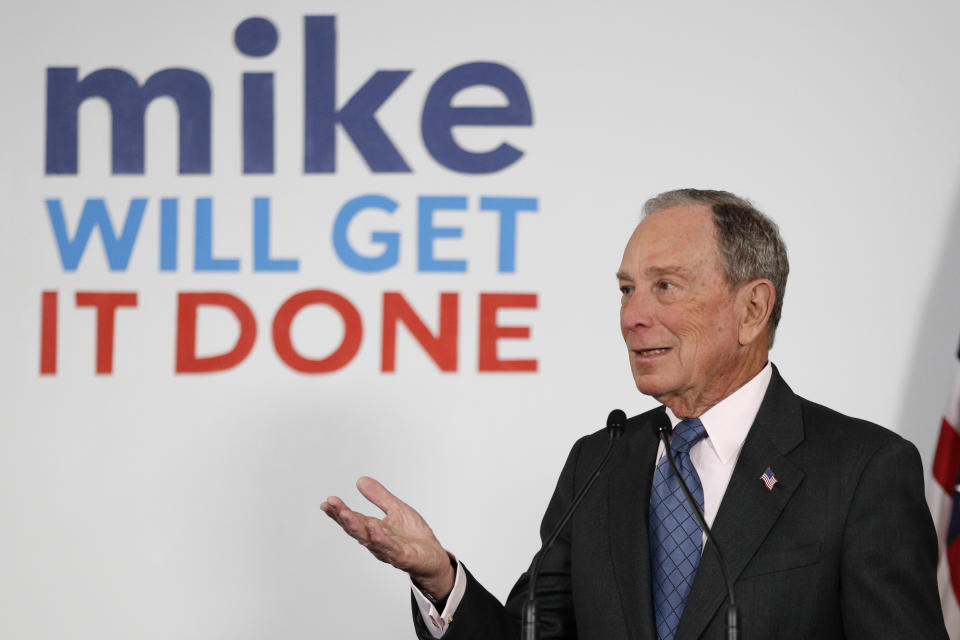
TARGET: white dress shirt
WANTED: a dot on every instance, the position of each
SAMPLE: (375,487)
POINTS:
(726,423)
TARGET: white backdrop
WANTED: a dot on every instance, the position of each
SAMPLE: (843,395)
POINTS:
(150,504)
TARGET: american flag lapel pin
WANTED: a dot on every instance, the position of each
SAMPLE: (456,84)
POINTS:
(768,478)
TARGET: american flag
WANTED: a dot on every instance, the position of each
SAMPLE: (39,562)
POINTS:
(944,500)
(768,478)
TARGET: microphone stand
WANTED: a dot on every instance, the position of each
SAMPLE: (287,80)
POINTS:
(615,423)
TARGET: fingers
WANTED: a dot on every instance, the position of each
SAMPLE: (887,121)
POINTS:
(350,521)
(401,539)
(368,531)
(378,495)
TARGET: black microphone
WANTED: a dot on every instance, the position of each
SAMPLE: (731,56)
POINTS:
(662,430)
(615,424)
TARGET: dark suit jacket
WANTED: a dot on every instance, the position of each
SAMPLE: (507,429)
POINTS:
(843,546)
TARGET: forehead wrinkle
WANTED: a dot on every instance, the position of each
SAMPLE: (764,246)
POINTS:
(668,270)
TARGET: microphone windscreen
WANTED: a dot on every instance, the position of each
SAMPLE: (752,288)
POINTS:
(660,423)
(616,421)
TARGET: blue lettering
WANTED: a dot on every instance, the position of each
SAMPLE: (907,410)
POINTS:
(390,240)
(257,37)
(203,259)
(128,102)
(258,123)
(439,117)
(427,233)
(508,209)
(169,214)
(95,214)
(356,116)
(261,241)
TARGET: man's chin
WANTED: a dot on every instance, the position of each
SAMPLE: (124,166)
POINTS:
(651,386)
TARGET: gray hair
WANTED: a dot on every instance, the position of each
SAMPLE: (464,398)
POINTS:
(749,242)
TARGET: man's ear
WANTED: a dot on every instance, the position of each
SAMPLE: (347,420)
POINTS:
(755,302)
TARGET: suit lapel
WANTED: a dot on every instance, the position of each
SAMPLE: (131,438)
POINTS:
(748,509)
(629,500)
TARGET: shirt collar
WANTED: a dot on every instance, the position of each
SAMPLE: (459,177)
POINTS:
(728,422)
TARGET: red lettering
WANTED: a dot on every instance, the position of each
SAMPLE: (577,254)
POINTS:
(48,333)
(442,347)
(491,332)
(352,331)
(106,304)
(187,304)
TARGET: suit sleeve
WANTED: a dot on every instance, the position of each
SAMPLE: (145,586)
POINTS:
(480,616)
(889,558)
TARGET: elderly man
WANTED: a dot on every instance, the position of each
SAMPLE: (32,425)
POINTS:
(821,517)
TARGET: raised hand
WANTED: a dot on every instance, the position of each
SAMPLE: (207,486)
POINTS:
(401,538)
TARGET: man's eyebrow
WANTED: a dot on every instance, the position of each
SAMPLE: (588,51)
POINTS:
(654,272)
(674,269)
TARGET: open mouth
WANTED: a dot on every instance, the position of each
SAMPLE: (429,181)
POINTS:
(649,353)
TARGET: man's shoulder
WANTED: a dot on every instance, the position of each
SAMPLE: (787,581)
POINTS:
(847,443)
(819,427)
(820,421)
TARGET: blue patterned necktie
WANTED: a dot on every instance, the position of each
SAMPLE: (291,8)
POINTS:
(675,534)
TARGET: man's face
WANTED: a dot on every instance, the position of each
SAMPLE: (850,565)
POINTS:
(678,315)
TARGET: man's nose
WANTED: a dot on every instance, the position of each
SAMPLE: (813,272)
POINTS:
(636,311)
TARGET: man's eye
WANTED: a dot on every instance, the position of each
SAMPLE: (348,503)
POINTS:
(626,289)
(663,285)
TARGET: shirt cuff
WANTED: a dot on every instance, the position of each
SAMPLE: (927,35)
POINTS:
(435,621)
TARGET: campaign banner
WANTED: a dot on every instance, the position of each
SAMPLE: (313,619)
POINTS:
(253,252)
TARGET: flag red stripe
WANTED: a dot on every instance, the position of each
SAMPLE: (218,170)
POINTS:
(946,462)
